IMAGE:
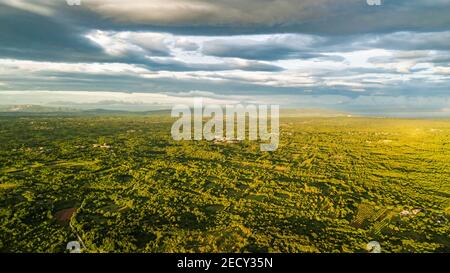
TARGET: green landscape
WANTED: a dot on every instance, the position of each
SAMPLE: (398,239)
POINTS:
(119,183)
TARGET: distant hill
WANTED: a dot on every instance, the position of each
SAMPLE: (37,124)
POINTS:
(38,110)
(31,108)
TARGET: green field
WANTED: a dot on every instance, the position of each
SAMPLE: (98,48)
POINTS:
(121,184)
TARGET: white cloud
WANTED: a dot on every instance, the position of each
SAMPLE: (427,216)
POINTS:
(274,79)
(21,67)
(442,70)
(180,58)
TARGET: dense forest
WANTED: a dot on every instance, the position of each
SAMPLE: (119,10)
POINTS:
(121,184)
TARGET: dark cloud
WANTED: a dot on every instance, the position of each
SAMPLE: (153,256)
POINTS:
(271,49)
(323,17)
(253,50)
(417,57)
(225,17)
(439,40)
(335,25)
(25,35)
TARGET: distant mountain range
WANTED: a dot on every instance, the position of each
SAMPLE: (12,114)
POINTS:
(30,108)
(39,110)
(35,110)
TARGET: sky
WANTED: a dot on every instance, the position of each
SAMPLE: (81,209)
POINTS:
(148,54)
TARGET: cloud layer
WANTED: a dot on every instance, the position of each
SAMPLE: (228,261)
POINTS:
(322,49)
